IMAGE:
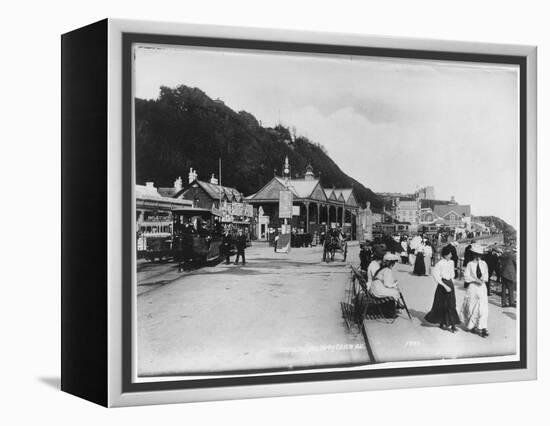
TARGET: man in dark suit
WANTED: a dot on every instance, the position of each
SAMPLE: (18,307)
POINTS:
(454,254)
(227,241)
(240,244)
(508,278)
(493,264)
(468,254)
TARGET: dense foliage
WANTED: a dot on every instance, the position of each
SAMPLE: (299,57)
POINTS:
(185,128)
(507,230)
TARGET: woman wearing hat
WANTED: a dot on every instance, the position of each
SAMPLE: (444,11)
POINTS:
(444,306)
(475,308)
(384,284)
(419,265)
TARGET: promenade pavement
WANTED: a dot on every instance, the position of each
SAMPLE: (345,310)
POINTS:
(282,312)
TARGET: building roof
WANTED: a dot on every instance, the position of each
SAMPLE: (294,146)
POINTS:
(330,194)
(147,191)
(301,188)
(167,192)
(148,196)
(460,210)
(304,189)
(213,190)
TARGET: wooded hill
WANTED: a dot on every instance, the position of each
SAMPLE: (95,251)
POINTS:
(185,128)
(510,234)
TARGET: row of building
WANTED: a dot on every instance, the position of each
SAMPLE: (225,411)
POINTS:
(312,206)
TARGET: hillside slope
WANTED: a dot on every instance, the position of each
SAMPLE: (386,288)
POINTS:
(185,128)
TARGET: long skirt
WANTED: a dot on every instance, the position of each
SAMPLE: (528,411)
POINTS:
(475,309)
(378,289)
(428,264)
(444,306)
(419,266)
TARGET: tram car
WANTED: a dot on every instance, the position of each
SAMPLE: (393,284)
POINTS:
(197,235)
(154,240)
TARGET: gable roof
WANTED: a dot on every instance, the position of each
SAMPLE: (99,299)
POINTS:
(460,210)
(270,190)
(213,191)
(301,188)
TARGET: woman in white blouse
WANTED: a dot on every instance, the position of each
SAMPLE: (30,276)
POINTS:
(384,284)
(475,309)
(444,305)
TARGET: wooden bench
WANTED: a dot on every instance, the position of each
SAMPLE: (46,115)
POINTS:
(368,306)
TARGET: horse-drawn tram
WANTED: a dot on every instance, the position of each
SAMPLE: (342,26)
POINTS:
(154,239)
(197,234)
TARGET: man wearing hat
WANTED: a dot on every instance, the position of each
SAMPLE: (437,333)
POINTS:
(454,255)
(493,263)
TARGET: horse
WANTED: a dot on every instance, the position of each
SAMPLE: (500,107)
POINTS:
(331,245)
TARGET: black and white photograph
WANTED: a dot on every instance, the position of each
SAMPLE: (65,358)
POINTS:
(306,211)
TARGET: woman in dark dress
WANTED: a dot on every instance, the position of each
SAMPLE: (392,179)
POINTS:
(419,266)
(444,305)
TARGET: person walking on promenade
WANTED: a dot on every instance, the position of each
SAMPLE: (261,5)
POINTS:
(444,305)
(428,253)
(384,284)
(419,265)
(275,240)
(240,244)
(227,241)
(493,263)
(468,255)
(475,309)
(509,279)
(404,251)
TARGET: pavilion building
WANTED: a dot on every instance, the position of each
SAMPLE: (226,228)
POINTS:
(313,205)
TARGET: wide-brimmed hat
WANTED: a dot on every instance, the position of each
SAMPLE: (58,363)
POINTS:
(477,248)
(388,257)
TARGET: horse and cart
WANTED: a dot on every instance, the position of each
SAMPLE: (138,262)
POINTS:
(332,244)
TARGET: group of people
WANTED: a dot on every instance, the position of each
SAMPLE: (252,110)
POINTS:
(229,241)
(378,261)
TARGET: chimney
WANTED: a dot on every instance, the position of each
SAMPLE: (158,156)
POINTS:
(150,184)
(213,180)
(178,184)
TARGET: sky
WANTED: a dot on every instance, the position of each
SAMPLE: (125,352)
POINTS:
(392,124)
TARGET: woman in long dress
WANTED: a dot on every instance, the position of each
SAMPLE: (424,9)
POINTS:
(475,308)
(444,305)
(419,265)
(427,252)
(384,284)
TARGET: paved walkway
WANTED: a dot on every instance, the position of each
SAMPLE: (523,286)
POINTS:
(278,312)
(282,312)
(407,340)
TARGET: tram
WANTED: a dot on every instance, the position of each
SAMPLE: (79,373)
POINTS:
(197,234)
(154,239)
